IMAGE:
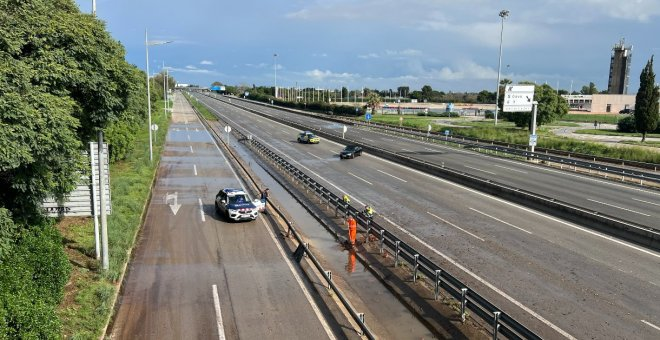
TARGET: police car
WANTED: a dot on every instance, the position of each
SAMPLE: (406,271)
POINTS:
(308,137)
(236,205)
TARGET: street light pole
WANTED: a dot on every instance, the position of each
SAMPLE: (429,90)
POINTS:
(275,67)
(146,46)
(503,14)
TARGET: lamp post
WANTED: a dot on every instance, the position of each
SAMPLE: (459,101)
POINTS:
(503,14)
(275,67)
(147,43)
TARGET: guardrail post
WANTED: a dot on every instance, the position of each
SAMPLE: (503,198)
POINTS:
(288,231)
(415,268)
(438,273)
(361,317)
(463,303)
(306,248)
(345,210)
(328,275)
(396,253)
(382,239)
(496,324)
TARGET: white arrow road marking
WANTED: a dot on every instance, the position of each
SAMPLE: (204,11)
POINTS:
(174,206)
(201,210)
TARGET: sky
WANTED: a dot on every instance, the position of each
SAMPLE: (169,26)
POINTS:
(450,45)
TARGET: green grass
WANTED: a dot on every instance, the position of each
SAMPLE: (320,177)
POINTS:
(650,144)
(208,115)
(590,118)
(563,124)
(86,305)
(607,132)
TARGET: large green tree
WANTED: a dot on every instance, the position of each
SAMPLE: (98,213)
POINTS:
(589,89)
(646,101)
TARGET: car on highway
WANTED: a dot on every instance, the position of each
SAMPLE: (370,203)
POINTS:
(350,151)
(235,205)
(308,137)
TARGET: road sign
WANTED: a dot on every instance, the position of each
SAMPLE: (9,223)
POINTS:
(532,140)
(446,132)
(154,127)
(367,117)
(428,129)
(345,129)
(227,129)
(518,98)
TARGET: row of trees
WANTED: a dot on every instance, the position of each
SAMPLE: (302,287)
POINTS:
(62,79)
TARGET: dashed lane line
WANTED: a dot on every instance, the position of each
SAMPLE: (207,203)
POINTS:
(618,207)
(473,168)
(360,178)
(455,226)
(218,314)
(400,179)
(499,220)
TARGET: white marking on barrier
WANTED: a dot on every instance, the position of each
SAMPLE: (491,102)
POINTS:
(400,179)
(512,169)
(201,210)
(218,314)
(360,178)
(499,220)
(195,169)
(473,168)
(618,207)
(647,202)
(315,155)
(484,282)
(650,324)
(455,226)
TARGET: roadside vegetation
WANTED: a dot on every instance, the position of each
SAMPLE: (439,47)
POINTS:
(62,80)
(609,132)
(590,118)
(208,115)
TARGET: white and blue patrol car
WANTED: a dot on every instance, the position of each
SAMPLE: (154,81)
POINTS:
(236,205)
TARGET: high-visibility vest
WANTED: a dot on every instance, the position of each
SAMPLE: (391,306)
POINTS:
(347,199)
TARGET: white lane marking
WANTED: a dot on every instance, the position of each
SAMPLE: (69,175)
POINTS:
(188,137)
(186,130)
(650,324)
(484,282)
(653,283)
(512,169)
(570,225)
(186,121)
(201,210)
(191,149)
(218,314)
(314,155)
(360,178)
(430,149)
(455,226)
(369,140)
(287,259)
(400,179)
(647,202)
(618,207)
(406,150)
(498,220)
(283,131)
(473,168)
(195,169)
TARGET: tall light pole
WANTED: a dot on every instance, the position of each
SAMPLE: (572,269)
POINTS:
(147,43)
(94,7)
(275,67)
(503,14)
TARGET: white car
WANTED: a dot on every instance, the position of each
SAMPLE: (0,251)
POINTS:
(236,205)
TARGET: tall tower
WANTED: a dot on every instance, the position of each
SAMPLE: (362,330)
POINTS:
(619,68)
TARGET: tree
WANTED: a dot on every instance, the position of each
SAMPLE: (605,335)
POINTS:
(646,101)
(485,97)
(403,91)
(344,93)
(427,92)
(589,89)
(550,107)
(373,101)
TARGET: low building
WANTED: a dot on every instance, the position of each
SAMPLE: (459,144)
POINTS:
(600,103)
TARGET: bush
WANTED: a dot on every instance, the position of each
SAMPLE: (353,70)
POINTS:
(626,124)
(489,114)
(439,114)
(32,283)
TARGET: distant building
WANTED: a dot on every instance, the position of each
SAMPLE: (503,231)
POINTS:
(619,68)
(600,103)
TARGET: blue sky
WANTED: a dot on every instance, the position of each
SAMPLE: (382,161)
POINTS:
(448,44)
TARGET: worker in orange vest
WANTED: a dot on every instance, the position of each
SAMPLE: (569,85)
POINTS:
(352,229)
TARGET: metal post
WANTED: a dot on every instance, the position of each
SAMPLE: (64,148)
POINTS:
(415,267)
(146,45)
(328,274)
(438,283)
(396,253)
(463,303)
(382,239)
(104,219)
(496,324)
(534,108)
(95,203)
(503,14)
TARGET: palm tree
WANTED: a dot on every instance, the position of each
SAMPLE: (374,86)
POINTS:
(373,101)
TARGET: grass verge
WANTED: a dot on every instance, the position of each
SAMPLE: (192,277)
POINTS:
(607,132)
(649,144)
(590,118)
(208,115)
(90,291)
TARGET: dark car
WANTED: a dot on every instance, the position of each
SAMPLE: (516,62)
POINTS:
(236,205)
(630,111)
(350,151)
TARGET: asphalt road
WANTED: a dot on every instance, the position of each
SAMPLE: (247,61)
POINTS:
(558,278)
(195,275)
(628,202)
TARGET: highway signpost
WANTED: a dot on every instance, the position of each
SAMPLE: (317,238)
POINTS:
(343,133)
(520,98)
(367,117)
(227,130)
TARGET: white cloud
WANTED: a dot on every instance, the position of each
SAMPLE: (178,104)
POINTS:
(319,75)
(260,65)
(206,62)
(191,67)
(368,56)
(193,70)
(323,55)
(405,53)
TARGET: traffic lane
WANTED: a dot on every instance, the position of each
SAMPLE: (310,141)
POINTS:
(632,206)
(178,267)
(354,183)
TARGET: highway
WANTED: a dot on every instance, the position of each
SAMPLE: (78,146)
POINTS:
(560,279)
(194,275)
(628,202)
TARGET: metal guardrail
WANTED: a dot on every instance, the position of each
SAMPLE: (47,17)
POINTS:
(327,275)
(470,300)
(513,149)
